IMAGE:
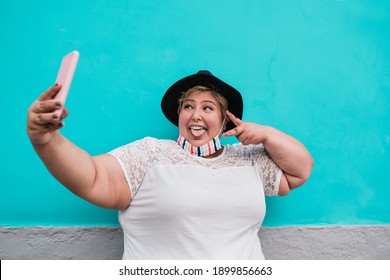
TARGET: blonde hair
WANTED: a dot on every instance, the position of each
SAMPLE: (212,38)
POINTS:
(219,97)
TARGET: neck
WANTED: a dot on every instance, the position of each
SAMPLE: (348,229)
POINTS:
(216,154)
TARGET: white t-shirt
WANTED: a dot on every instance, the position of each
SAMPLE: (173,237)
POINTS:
(188,207)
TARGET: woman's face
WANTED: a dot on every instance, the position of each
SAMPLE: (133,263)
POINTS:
(200,118)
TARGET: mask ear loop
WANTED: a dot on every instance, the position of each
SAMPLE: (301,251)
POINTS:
(221,130)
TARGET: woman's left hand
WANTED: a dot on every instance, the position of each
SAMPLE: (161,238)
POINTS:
(287,152)
(246,132)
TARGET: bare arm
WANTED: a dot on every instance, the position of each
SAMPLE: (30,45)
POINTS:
(98,180)
(287,152)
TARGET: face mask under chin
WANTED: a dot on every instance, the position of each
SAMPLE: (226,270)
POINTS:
(205,150)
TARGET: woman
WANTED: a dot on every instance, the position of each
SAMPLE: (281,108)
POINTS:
(190,199)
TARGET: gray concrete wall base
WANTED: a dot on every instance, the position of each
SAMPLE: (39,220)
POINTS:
(327,243)
(279,243)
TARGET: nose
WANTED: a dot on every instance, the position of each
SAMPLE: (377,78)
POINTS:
(197,115)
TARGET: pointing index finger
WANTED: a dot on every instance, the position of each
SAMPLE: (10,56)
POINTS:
(237,122)
(233,118)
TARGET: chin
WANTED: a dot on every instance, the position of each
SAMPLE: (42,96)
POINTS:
(197,142)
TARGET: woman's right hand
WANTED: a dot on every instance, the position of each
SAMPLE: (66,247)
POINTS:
(42,121)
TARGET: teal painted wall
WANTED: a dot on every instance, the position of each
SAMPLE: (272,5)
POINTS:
(318,70)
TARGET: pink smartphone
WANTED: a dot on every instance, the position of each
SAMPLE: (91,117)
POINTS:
(65,75)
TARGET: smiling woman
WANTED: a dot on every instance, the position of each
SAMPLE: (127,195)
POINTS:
(201,121)
(175,196)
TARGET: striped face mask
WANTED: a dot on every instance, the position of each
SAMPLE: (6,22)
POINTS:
(202,151)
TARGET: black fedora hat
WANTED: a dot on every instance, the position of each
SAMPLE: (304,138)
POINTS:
(170,100)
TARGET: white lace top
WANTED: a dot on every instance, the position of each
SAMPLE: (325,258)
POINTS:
(188,207)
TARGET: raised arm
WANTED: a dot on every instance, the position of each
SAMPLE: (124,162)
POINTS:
(98,179)
(287,152)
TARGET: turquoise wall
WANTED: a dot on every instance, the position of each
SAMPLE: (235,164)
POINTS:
(318,70)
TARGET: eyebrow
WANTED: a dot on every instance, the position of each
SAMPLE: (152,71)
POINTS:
(202,101)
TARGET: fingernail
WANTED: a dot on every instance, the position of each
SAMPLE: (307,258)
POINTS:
(56,84)
(55,116)
(58,103)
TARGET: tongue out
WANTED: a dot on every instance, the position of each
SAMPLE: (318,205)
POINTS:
(198,132)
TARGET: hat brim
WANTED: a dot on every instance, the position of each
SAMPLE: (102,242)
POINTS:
(170,100)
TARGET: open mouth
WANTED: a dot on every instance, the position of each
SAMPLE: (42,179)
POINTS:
(197,130)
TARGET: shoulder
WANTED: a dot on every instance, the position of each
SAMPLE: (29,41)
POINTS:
(144,145)
(157,144)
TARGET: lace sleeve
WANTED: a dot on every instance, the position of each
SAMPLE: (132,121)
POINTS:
(135,158)
(269,172)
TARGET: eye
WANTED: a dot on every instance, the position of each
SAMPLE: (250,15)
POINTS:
(187,106)
(208,108)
